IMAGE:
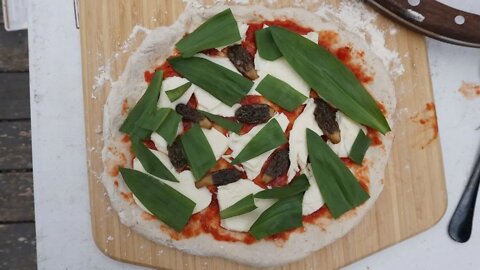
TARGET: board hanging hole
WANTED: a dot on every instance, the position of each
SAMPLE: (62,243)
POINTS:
(459,19)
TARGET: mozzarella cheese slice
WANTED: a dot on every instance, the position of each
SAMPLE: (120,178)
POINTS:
(298,152)
(218,141)
(230,194)
(283,71)
(312,199)
(238,142)
(186,185)
(172,83)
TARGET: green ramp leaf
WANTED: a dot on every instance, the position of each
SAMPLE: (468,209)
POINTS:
(219,30)
(177,92)
(269,137)
(144,106)
(223,122)
(359,147)
(222,83)
(198,152)
(150,162)
(330,78)
(298,185)
(284,215)
(280,93)
(266,46)
(338,186)
(164,202)
(241,207)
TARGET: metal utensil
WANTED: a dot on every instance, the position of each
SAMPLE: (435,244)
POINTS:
(460,227)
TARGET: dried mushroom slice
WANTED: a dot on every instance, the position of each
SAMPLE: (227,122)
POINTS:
(220,177)
(278,165)
(254,113)
(193,115)
(176,155)
(242,60)
(325,116)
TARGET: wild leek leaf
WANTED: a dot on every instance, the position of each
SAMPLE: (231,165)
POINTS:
(359,147)
(145,105)
(266,46)
(167,204)
(222,83)
(241,207)
(223,122)
(298,185)
(330,78)
(269,137)
(155,119)
(168,128)
(339,188)
(150,162)
(280,93)
(176,93)
(284,215)
(198,152)
(219,30)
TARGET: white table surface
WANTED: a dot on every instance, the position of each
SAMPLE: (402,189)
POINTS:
(64,239)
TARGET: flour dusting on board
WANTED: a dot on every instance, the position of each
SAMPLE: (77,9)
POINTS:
(104,72)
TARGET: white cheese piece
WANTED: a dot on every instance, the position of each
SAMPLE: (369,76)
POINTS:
(211,104)
(186,185)
(172,83)
(313,36)
(218,141)
(348,133)
(312,199)
(219,60)
(283,71)
(298,153)
(160,142)
(238,142)
(234,192)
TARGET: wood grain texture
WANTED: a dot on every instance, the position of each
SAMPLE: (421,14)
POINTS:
(18,246)
(13,50)
(16,197)
(414,197)
(14,96)
(15,145)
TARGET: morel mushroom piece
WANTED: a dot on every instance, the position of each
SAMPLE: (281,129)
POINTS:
(218,178)
(325,116)
(278,165)
(193,115)
(242,60)
(254,113)
(176,155)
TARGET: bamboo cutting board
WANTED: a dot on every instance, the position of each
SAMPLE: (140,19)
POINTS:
(414,197)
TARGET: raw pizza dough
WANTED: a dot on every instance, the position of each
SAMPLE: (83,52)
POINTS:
(156,47)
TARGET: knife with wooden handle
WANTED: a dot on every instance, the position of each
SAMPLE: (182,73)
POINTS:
(435,20)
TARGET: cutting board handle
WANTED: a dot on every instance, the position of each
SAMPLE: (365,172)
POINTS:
(435,19)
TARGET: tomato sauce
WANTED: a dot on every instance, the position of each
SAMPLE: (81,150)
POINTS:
(290,25)
(374,136)
(322,212)
(167,69)
(249,43)
(150,144)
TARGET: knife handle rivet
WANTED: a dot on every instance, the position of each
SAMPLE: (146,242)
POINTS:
(414,3)
(459,19)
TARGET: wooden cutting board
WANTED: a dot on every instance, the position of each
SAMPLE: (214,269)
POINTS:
(414,197)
